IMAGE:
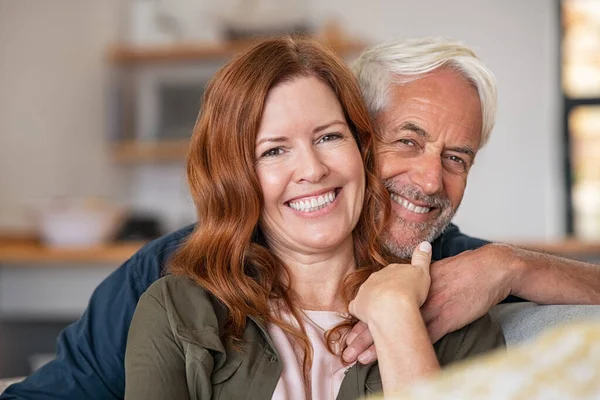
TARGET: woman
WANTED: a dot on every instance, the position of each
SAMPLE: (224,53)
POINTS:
(286,257)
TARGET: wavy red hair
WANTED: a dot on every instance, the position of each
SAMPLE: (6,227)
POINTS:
(226,253)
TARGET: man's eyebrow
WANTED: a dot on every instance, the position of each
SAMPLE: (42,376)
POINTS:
(464,150)
(411,126)
(325,126)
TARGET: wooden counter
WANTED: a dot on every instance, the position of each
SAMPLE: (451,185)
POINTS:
(14,252)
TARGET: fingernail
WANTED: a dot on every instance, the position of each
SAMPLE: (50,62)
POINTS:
(425,247)
(349,354)
(364,358)
(350,338)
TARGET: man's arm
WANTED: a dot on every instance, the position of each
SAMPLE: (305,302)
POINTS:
(466,286)
(89,362)
(474,275)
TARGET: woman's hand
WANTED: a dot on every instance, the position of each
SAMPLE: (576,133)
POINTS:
(394,287)
(389,303)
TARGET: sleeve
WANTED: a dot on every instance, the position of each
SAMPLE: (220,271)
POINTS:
(89,362)
(481,336)
(154,360)
(454,242)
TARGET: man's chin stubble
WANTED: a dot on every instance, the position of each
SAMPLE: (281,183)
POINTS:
(419,233)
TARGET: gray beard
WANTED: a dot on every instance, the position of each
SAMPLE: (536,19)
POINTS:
(430,232)
(419,231)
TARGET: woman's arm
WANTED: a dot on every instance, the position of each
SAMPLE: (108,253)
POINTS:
(389,303)
(405,353)
(154,359)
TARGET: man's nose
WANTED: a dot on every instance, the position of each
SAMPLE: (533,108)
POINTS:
(311,166)
(427,173)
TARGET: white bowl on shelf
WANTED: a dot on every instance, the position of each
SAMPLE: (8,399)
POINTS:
(77,225)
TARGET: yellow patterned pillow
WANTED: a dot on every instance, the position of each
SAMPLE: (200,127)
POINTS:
(563,363)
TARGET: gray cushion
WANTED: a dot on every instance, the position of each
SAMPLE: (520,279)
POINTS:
(524,321)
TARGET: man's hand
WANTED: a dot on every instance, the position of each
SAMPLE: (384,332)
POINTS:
(464,287)
(360,345)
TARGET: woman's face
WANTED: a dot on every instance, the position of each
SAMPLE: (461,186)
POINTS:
(309,167)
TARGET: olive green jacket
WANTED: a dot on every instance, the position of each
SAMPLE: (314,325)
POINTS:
(174,350)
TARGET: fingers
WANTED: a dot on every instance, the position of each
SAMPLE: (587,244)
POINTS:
(356,330)
(368,356)
(359,340)
(422,256)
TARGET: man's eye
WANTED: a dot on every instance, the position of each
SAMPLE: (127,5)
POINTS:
(456,164)
(457,160)
(272,152)
(407,142)
(330,137)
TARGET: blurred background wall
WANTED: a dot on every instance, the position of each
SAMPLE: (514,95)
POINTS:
(57,123)
(53,106)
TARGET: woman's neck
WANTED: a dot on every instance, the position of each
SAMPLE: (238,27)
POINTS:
(316,277)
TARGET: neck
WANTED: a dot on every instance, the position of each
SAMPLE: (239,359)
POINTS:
(316,278)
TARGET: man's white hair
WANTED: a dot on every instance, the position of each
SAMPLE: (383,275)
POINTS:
(401,62)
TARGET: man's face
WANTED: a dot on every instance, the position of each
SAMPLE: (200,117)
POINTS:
(430,132)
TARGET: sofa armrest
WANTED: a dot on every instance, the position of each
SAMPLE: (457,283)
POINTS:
(521,322)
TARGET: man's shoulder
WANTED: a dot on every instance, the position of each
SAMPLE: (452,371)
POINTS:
(452,242)
(160,250)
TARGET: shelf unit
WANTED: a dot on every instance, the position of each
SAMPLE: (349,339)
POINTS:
(137,152)
(125,57)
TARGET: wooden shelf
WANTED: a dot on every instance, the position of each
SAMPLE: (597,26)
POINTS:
(16,252)
(129,55)
(130,152)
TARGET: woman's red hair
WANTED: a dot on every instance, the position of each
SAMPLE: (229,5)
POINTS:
(226,254)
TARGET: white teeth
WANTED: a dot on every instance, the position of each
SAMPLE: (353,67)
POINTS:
(408,205)
(313,204)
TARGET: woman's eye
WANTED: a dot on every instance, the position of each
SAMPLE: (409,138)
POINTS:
(330,136)
(272,152)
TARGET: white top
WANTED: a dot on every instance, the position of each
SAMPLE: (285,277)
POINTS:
(327,371)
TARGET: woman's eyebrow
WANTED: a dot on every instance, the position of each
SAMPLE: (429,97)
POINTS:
(274,139)
(325,126)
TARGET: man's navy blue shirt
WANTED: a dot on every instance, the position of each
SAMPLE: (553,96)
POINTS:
(89,363)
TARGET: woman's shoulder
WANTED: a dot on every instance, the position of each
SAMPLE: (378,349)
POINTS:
(188,305)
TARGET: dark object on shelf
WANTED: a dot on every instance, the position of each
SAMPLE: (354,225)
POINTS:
(138,227)
(237,33)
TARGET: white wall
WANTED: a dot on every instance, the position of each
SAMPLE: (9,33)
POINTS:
(52,102)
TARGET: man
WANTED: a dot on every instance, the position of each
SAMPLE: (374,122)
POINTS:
(434,105)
